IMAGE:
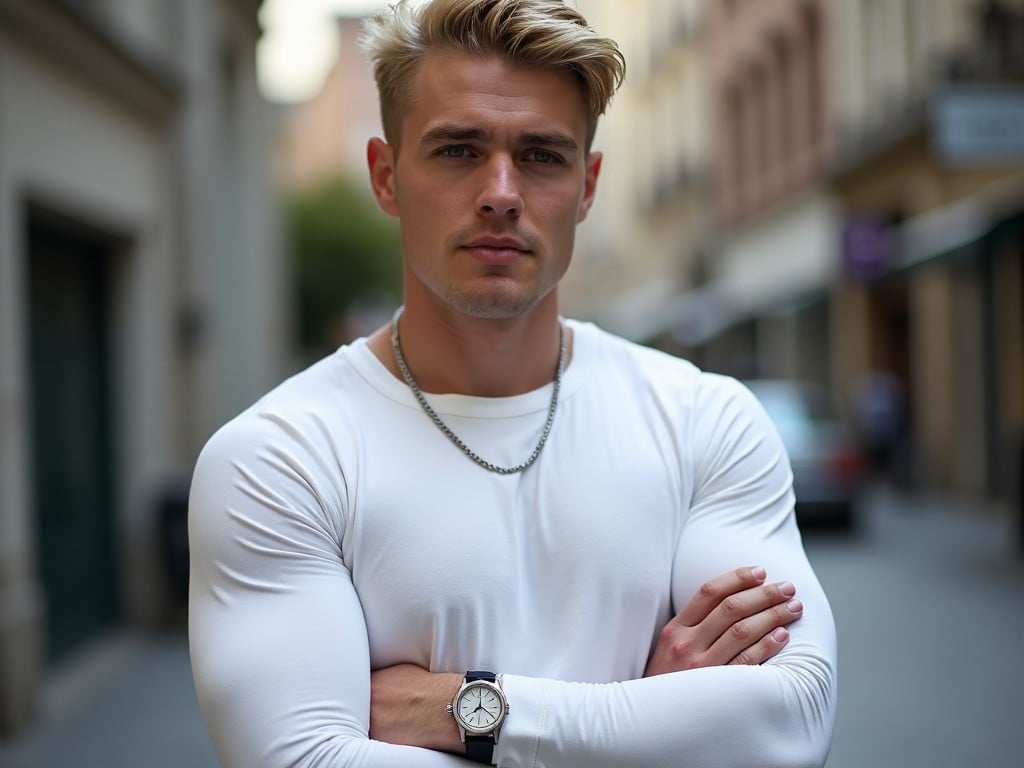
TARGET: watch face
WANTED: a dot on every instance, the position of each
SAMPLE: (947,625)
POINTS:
(480,707)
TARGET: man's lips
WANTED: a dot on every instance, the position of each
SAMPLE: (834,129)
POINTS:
(496,250)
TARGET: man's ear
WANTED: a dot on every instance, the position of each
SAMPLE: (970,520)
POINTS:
(380,157)
(589,184)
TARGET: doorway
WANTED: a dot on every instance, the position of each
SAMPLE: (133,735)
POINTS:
(70,370)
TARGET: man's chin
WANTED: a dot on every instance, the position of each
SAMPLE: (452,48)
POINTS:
(493,302)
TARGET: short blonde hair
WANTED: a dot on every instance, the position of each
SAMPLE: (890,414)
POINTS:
(539,33)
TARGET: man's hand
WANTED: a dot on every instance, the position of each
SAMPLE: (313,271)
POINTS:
(733,619)
(407,706)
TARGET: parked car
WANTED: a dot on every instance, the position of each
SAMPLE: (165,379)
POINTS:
(828,466)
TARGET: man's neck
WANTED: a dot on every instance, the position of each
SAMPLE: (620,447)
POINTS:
(472,356)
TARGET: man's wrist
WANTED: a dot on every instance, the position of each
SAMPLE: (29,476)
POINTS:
(407,706)
(447,685)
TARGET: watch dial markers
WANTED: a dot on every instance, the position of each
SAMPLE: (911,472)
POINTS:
(479,707)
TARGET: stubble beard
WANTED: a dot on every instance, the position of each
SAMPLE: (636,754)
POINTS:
(498,303)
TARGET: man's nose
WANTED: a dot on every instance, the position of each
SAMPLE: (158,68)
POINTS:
(500,195)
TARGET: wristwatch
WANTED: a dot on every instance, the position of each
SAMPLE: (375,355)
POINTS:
(479,709)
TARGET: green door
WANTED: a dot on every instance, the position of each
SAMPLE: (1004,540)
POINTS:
(71,428)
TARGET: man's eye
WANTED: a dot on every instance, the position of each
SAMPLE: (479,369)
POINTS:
(543,157)
(455,151)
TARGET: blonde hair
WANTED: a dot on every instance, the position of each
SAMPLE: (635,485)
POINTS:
(538,33)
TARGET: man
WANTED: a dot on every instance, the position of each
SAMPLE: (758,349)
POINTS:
(486,532)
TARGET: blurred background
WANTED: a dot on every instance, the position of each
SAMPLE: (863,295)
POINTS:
(824,198)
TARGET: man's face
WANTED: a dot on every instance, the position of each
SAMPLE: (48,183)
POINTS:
(489,180)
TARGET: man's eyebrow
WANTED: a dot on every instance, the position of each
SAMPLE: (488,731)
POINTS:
(453,132)
(558,140)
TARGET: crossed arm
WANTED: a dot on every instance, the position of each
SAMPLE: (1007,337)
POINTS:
(736,618)
(283,675)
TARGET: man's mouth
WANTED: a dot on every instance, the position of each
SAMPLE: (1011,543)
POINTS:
(497,251)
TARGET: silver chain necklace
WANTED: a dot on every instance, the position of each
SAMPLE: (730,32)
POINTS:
(447,430)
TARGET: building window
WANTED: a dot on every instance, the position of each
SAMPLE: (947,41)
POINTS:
(781,116)
(733,170)
(814,78)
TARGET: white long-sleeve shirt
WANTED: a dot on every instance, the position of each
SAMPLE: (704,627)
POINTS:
(334,530)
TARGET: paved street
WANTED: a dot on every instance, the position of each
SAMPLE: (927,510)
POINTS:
(129,703)
(930,609)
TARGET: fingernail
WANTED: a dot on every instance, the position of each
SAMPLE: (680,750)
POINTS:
(780,635)
(787,589)
(758,572)
(795,606)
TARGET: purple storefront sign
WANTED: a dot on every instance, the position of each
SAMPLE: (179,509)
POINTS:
(867,247)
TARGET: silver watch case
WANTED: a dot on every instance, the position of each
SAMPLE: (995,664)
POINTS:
(464,727)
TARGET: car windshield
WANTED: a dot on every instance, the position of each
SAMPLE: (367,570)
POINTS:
(794,409)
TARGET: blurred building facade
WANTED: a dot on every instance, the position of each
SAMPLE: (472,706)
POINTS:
(772,257)
(828,191)
(714,230)
(326,136)
(142,302)
(929,172)
(637,252)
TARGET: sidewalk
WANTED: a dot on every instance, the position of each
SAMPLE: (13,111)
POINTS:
(126,702)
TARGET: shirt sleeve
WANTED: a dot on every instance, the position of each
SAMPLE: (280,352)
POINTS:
(277,637)
(777,714)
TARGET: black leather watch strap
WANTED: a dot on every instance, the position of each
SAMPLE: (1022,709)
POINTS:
(480,749)
(490,677)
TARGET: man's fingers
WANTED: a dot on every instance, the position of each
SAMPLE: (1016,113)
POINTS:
(713,592)
(729,615)
(764,649)
(753,635)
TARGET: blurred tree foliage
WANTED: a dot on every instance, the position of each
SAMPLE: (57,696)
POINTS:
(347,254)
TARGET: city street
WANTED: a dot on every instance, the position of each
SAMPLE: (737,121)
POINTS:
(929,605)
(929,601)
